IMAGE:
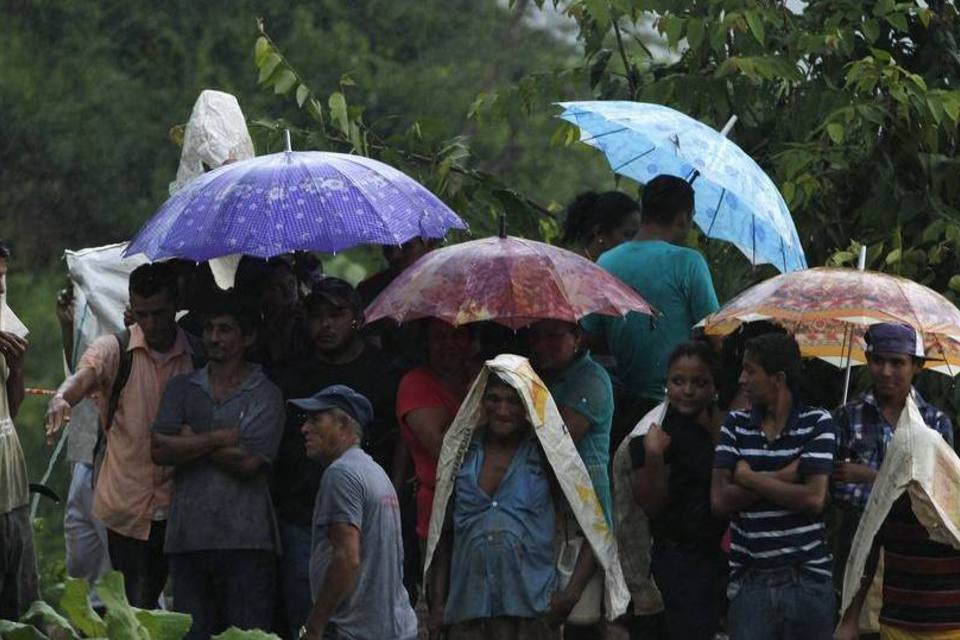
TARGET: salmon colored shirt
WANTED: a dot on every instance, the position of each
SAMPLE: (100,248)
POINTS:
(131,492)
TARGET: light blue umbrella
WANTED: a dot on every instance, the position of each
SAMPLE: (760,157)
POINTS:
(735,200)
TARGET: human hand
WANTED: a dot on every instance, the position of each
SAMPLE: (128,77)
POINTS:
(128,318)
(853,473)
(65,308)
(58,412)
(848,629)
(13,348)
(561,604)
(227,437)
(742,472)
(656,440)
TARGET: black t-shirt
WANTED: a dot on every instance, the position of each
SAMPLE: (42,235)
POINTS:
(297,478)
(686,518)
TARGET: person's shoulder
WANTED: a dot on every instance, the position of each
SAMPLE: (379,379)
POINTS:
(814,417)
(417,378)
(590,368)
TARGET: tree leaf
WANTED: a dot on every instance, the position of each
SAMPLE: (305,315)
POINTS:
(899,21)
(237,634)
(835,131)
(598,66)
(894,256)
(695,32)
(756,25)
(302,94)
(672,27)
(338,112)
(268,67)
(164,625)
(284,82)
(954,284)
(261,50)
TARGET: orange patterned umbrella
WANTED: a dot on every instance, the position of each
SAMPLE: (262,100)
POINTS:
(826,307)
(508,280)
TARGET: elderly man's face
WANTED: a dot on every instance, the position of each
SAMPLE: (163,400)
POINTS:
(323,434)
(504,410)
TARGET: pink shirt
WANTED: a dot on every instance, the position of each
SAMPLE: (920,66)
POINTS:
(131,492)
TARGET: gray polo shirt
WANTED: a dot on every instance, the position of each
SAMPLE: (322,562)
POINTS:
(210,508)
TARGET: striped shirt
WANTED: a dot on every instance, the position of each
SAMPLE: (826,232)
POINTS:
(767,536)
(921,578)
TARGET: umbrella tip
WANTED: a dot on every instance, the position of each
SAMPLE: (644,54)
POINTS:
(286,140)
(503,225)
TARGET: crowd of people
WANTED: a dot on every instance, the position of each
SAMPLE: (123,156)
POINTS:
(276,460)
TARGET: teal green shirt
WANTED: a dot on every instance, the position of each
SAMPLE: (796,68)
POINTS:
(675,280)
(584,386)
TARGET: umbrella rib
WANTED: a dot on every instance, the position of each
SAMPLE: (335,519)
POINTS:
(631,160)
(716,210)
(601,135)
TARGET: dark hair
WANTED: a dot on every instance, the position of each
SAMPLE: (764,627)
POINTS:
(4,250)
(698,349)
(153,278)
(591,213)
(330,289)
(233,304)
(664,198)
(776,352)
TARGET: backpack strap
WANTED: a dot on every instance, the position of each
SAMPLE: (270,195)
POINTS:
(199,356)
(119,382)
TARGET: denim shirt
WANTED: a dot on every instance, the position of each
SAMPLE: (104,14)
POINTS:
(503,562)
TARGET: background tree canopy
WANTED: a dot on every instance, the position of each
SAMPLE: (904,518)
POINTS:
(852,106)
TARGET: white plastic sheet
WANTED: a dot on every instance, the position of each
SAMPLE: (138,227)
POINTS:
(561,454)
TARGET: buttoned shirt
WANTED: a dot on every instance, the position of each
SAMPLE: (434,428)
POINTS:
(131,492)
(863,435)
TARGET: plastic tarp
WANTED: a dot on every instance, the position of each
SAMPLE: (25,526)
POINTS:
(561,454)
(632,526)
(215,135)
(921,463)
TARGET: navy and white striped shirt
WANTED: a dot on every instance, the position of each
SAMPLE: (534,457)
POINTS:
(767,536)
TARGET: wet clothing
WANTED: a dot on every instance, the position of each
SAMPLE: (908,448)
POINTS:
(503,545)
(766,536)
(19,584)
(677,282)
(355,490)
(419,389)
(14,487)
(584,386)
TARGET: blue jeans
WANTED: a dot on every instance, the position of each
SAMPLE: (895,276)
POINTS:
(295,594)
(781,604)
(223,589)
(693,585)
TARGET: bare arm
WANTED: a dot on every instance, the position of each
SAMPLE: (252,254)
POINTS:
(439,581)
(13,349)
(429,424)
(563,602)
(400,466)
(727,497)
(849,627)
(341,576)
(187,446)
(576,422)
(809,496)
(74,389)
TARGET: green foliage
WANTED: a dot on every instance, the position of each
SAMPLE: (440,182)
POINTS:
(76,619)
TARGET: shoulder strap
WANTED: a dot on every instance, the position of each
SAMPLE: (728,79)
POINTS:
(123,374)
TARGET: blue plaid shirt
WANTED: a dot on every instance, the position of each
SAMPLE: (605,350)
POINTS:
(863,435)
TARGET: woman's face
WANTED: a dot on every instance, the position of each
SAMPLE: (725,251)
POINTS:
(690,385)
(553,344)
(448,347)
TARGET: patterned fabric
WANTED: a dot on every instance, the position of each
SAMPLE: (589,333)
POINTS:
(863,435)
(511,281)
(736,200)
(767,536)
(824,307)
(289,201)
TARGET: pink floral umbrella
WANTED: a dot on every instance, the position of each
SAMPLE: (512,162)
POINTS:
(508,280)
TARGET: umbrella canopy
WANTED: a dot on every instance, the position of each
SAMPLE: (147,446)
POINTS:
(508,280)
(291,201)
(735,200)
(826,308)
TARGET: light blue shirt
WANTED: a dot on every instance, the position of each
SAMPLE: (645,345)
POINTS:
(584,386)
(503,562)
(677,282)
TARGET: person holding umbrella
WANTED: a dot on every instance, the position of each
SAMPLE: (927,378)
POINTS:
(674,279)
(598,222)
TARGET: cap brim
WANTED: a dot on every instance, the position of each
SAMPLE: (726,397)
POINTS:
(312,404)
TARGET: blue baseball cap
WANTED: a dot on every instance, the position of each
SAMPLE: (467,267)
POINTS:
(890,337)
(341,397)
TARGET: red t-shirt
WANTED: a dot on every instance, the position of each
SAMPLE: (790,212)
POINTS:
(419,389)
